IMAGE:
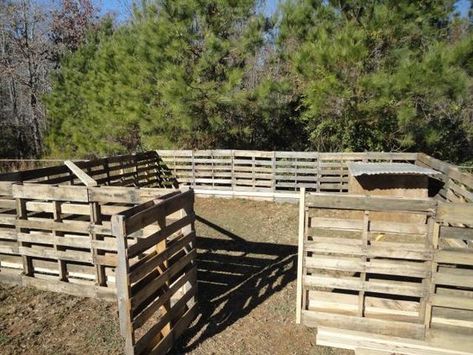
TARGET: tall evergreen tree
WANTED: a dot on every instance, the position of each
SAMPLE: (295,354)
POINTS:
(380,75)
(326,75)
(174,77)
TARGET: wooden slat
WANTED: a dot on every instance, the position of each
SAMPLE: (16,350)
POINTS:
(141,295)
(377,326)
(455,213)
(161,207)
(461,257)
(453,302)
(46,192)
(378,286)
(86,179)
(456,233)
(141,269)
(371,203)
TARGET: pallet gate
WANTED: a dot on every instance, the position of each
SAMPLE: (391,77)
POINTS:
(122,228)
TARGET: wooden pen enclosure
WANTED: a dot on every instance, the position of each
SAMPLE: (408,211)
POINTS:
(74,229)
(122,228)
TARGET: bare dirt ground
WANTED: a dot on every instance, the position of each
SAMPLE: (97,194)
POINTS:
(247,272)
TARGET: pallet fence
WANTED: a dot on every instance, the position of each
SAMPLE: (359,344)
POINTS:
(456,185)
(59,237)
(116,229)
(122,228)
(270,175)
(157,275)
(262,171)
(360,271)
(139,170)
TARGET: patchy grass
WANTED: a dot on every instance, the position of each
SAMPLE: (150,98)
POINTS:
(247,290)
(3,338)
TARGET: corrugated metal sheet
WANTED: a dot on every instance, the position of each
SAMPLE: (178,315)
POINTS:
(358,168)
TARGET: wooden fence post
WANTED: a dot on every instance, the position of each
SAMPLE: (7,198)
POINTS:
(193,183)
(300,254)
(433,236)
(123,284)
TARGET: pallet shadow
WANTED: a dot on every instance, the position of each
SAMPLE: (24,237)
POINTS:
(234,276)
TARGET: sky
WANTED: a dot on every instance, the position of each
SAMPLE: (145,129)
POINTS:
(463,6)
(120,7)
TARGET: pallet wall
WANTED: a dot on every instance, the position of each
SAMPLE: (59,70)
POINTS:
(156,275)
(134,245)
(59,237)
(138,170)
(262,171)
(358,270)
(455,185)
(452,270)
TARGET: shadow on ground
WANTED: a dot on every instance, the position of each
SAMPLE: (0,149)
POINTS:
(234,276)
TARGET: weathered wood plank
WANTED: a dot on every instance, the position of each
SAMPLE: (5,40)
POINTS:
(376,326)
(371,203)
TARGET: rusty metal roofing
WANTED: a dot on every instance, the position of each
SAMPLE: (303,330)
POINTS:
(359,168)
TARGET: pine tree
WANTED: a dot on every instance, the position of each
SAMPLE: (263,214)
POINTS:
(174,77)
(380,75)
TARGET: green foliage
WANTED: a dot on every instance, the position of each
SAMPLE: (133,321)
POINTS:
(174,77)
(381,75)
(346,75)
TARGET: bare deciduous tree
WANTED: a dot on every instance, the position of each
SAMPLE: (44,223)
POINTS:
(32,39)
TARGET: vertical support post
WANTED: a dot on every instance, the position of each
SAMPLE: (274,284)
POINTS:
(21,213)
(319,174)
(106,167)
(212,159)
(193,169)
(136,181)
(123,283)
(122,171)
(364,259)
(253,168)
(233,170)
(57,218)
(426,303)
(96,218)
(190,228)
(300,255)
(160,248)
(273,173)
(71,177)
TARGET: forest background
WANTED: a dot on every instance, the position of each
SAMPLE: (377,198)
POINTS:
(80,78)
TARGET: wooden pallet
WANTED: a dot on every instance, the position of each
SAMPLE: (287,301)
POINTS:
(435,343)
(268,171)
(394,279)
